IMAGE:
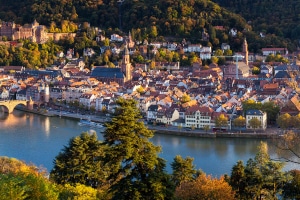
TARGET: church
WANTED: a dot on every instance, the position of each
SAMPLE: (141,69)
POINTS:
(120,74)
(243,70)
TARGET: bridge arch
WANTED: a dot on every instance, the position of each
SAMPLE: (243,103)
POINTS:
(9,106)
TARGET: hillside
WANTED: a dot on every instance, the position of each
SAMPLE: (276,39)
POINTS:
(150,19)
(277,17)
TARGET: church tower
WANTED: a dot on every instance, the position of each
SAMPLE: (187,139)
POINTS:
(130,41)
(245,51)
(126,65)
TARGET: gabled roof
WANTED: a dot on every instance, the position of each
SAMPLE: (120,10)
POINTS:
(254,112)
(282,74)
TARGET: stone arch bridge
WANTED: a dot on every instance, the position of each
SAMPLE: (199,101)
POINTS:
(9,105)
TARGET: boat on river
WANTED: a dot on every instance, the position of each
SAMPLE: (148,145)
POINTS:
(85,122)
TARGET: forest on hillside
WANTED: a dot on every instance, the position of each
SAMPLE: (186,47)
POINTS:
(176,18)
(277,17)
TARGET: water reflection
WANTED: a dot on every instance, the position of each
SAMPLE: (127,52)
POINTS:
(47,126)
(39,139)
(3,115)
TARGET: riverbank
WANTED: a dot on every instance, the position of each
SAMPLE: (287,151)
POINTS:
(170,130)
(210,134)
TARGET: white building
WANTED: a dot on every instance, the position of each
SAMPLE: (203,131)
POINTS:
(260,115)
(198,117)
(116,38)
(193,48)
(205,53)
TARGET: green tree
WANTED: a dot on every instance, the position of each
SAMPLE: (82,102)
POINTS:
(238,179)
(183,170)
(80,162)
(291,188)
(133,159)
(262,177)
(11,187)
(272,111)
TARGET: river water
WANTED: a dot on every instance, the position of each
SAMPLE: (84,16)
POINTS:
(38,139)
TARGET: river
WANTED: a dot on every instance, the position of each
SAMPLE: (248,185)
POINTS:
(38,139)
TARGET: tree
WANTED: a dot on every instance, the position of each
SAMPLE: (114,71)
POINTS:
(295,121)
(206,128)
(21,181)
(78,191)
(205,187)
(214,59)
(153,32)
(255,70)
(261,177)
(291,188)
(140,90)
(185,98)
(238,179)
(288,147)
(251,104)
(137,170)
(11,187)
(183,170)
(80,162)
(239,122)
(179,127)
(284,121)
(272,111)
(221,121)
(254,123)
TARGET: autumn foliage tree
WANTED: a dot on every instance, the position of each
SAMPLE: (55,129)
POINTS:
(284,121)
(221,121)
(254,123)
(205,187)
(240,121)
(288,147)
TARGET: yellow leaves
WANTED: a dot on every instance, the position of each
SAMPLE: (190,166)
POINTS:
(80,192)
(12,165)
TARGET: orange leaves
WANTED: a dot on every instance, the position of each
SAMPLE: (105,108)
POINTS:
(205,187)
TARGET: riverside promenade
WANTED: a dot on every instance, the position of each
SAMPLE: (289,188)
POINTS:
(173,130)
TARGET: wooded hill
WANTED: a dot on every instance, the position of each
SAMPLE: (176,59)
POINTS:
(176,18)
(270,17)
